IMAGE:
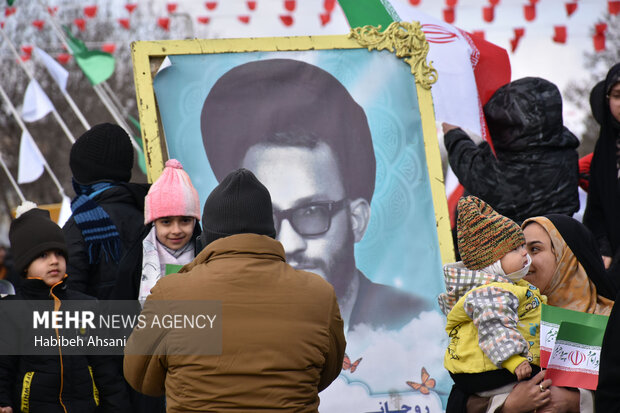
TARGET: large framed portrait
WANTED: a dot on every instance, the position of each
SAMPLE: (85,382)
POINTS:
(341,131)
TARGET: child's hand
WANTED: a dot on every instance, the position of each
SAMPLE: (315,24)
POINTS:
(6,410)
(523,370)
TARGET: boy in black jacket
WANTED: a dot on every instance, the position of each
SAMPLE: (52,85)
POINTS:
(52,383)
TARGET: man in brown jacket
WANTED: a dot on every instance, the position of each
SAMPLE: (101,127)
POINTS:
(282,334)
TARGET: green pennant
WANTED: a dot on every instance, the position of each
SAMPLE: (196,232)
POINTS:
(141,157)
(76,45)
(10,2)
(369,12)
(98,66)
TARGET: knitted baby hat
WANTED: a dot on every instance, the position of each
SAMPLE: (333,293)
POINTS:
(484,236)
(172,195)
(32,233)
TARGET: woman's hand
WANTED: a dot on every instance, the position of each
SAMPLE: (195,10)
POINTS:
(606,260)
(563,400)
(527,396)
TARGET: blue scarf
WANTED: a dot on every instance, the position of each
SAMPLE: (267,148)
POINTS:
(98,230)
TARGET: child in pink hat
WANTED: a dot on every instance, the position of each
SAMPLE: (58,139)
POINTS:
(171,215)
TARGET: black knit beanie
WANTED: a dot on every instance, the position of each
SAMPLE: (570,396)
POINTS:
(102,153)
(239,204)
(31,234)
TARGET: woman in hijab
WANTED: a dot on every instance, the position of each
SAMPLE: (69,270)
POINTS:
(602,213)
(568,269)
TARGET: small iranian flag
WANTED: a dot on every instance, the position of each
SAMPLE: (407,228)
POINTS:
(576,356)
(551,319)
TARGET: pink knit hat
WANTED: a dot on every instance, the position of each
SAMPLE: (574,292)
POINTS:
(172,195)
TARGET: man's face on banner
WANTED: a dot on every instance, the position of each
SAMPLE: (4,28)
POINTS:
(311,212)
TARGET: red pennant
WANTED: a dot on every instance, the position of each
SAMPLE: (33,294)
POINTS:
(488,13)
(451,3)
(9,10)
(251,5)
(493,2)
(63,58)
(325,18)
(329,5)
(559,35)
(38,24)
(478,33)
(131,7)
(289,5)
(52,10)
(600,28)
(533,2)
(529,11)
(171,7)
(211,5)
(80,23)
(414,2)
(204,20)
(613,7)
(287,20)
(599,42)
(108,47)
(164,23)
(570,8)
(25,57)
(27,49)
(448,15)
(1,25)
(244,19)
(90,11)
(514,43)
(519,32)
(124,23)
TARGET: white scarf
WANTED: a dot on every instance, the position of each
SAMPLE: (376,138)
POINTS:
(155,256)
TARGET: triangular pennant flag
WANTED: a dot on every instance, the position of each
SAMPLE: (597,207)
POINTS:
(448,15)
(131,7)
(550,319)
(171,7)
(77,46)
(529,12)
(10,2)
(125,23)
(39,24)
(30,162)
(58,73)
(488,13)
(211,5)
(164,23)
(576,356)
(36,103)
(65,211)
(287,20)
(613,7)
(570,8)
(80,23)
(289,5)
(559,34)
(251,5)
(203,19)
(90,11)
(97,66)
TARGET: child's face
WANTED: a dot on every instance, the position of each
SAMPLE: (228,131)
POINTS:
(50,266)
(514,260)
(174,232)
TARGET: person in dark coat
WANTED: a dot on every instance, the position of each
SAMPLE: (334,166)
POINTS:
(107,211)
(52,383)
(9,280)
(602,213)
(534,170)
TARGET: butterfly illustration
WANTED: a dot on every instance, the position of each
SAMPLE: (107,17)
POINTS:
(347,365)
(426,385)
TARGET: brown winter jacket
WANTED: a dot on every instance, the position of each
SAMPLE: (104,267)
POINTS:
(283,338)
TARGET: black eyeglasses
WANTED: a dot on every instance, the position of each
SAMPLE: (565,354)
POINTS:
(310,219)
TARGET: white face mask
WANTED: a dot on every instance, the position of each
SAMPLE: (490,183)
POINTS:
(517,275)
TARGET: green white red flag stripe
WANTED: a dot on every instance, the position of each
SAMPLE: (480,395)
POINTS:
(576,356)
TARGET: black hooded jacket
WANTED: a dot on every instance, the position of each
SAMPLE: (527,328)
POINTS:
(39,383)
(535,169)
(124,204)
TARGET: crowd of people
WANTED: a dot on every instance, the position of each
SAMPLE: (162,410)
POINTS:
(517,244)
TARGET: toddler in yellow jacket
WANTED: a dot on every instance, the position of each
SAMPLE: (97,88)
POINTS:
(493,315)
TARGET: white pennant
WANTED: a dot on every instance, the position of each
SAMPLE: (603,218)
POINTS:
(36,103)
(30,161)
(59,73)
(65,211)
